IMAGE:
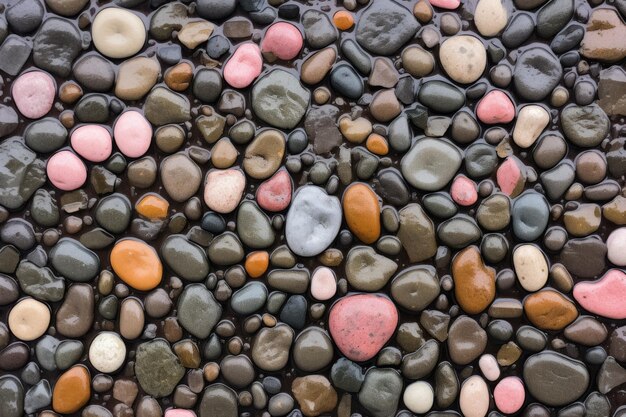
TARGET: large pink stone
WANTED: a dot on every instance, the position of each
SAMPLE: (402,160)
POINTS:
(244,66)
(509,395)
(133,134)
(604,297)
(495,107)
(92,142)
(66,171)
(33,93)
(446,4)
(361,324)
(283,40)
(274,194)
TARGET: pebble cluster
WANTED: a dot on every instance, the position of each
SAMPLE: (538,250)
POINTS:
(236,208)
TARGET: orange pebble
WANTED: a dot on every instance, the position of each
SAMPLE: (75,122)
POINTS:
(377,144)
(137,264)
(152,206)
(256,263)
(72,390)
(343,20)
(362,212)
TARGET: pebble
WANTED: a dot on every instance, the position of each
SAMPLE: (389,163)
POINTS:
(244,66)
(604,26)
(323,284)
(317,65)
(463,57)
(358,328)
(29,319)
(549,310)
(55,46)
(474,282)
(418,397)
(314,394)
(413,223)
(133,134)
(466,340)
(137,264)
(584,126)
(107,352)
(184,258)
(264,154)
(194,33)
(381,391)
(495,107)
(602,297)
(531,121)
(198,312)
(223,189)
(509,395)
(135,77)
(531,267)
(118,33)
(270,348)
(537,71)
(280,90)
(92,142)
(474,397)
(283,41)
(181,176)
(33,93)
(384,27)
(72,390)
(419,170)
(157,369)
(490,17)
(362,212)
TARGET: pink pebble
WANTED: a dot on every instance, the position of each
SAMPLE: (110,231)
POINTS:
(274,194)
(179,412)
(92,142)
(133,134)
(509,395)
(244,66)
(446,4)
(604,297)
(361,324)
(509,176)
(66,171)
(463,191)
(489,367)
(33,93)
(495,107)
(323,284)
(282,39)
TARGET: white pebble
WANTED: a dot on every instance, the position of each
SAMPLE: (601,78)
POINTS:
(531,120)
(489,367)
(107,352)
(118,33)
(418,397)
(616,246)
(490,17)
(474,397)
(531,267)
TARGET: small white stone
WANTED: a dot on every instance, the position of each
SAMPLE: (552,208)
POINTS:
(490,17)
(107,352)
(463,57)
(418,397)
(531,267)
(118,33)
(474,397)
(323,284)
(489,367)
(616,246)
(531,120)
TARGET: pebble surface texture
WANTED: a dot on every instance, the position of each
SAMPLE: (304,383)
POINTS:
(285,208)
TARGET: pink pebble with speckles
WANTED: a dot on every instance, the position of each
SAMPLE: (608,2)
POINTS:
(274,194)
(282,39)
(92,142)
(133,134)
(244,66)
(33,93)
(446,4)
(66,171)
(179,412)
(605,296)
(495,107)
(323,284)
(463,191)
(509,395)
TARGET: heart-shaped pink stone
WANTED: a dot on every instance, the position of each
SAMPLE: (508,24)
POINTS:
(604,297)
(361,324)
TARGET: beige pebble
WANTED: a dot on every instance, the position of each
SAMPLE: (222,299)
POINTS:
(29,319)
(357,130)
(531,121)
(463,57)
(118,33)
(224,154)
(132,318)
(107,352)
(490,17)
(530,266)
(223,189)
(317,65)
(195,33)
(136,77)
(474,397)
(417,61)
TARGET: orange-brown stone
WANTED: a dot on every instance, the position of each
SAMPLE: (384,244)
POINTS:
(549,310)
(256,263)
(474,282)
(153,206)
(362,212)
(179,76)
(315,395)
(72,390)
(137,264)
(377,144)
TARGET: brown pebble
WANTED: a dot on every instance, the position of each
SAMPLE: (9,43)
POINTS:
(179,76)
(70,92)
(211,371)
(549,310)
(423,11)
(131,318)
(125,390)
(188,353)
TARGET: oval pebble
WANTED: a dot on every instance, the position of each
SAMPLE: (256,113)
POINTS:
(92,142)
(66,171)
(133,134)
(34,93)
(117,32)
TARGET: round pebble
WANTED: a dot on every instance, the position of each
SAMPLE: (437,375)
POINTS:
(33,93)
(118,33)
(107,352)
(92,142)
(66,171)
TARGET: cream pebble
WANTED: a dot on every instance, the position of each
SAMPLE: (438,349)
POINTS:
(107,352)
(133,134)
(616,247)
(531,120)
(489,367)
(323,284)
(118,33)
(418,397)
(530,266)
(29,319)
(195,33)
(463,57)
(223,189)
(66,171)
(474,397)
(490,17)
(92,142)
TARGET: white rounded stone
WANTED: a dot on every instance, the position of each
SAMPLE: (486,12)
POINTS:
(418,397)
(531,120)
(489,367)
(490,17)
(107,352)
(474,397)
(616,247)
(29,319)
(463,57)
(530,266)
(118,33)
